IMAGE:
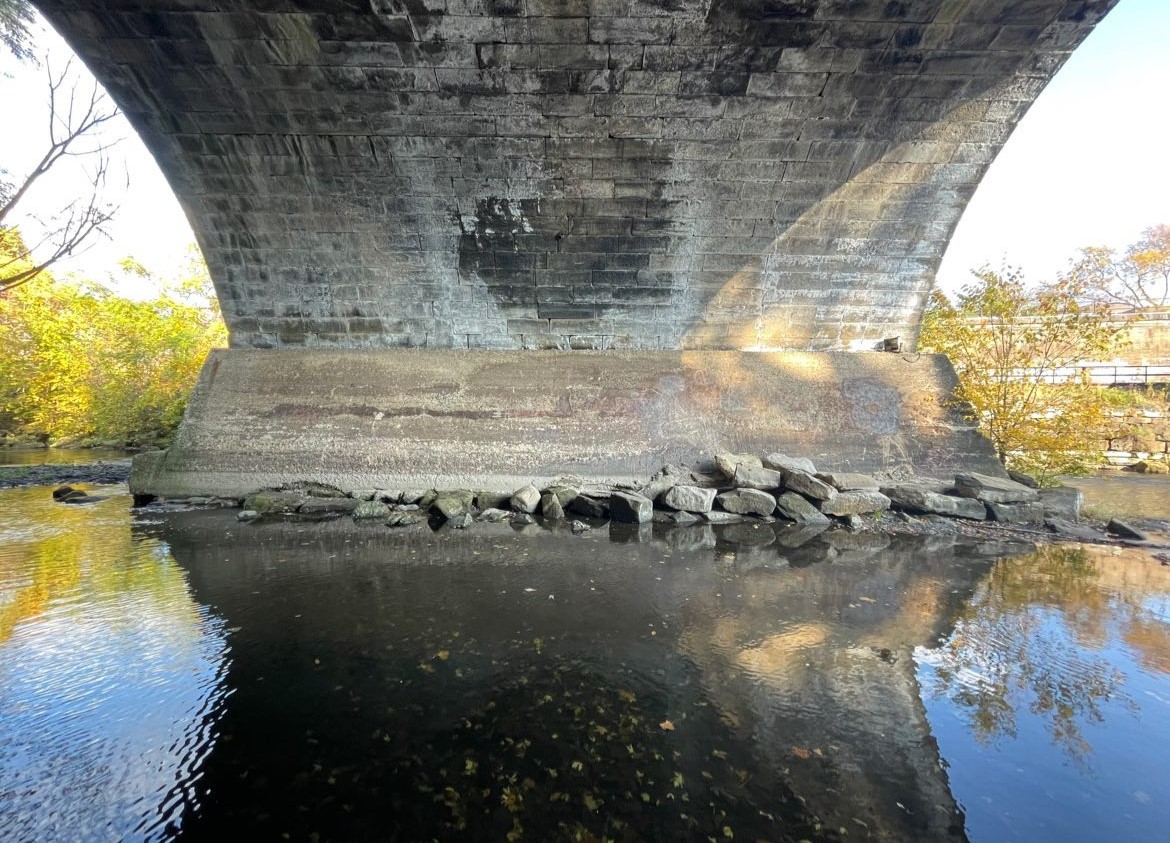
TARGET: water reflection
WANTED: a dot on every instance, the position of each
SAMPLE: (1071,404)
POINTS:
(109,675)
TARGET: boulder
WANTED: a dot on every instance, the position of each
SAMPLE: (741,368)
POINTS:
(579,527)
(370,509)
(522,519)
(684,518)
(274,503)
(550,507)
(845,481)
(491,500)
(916,498)
(314,489)
(631,507)
(564,494)
(728,463)
(984,487)
(809,486)
(1016,513)
(460,522)
(717,516)
(757,477)
(1063,502)
(797,508)
(453,504)
(747,502)
(526,499)
(494,515)
(859,502)
(783,462)
(413,495)
(1123,530)
(1071,530)
(690,498)
(1024,479)
(1149,467)
(589,506)
(405,518)
(325,506)
(363,494)
(247,515)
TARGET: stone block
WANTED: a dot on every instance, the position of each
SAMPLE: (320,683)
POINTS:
(795,507)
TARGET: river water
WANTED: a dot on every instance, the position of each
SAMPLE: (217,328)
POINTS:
(182,676)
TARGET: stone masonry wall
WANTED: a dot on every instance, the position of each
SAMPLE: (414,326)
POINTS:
(716,174)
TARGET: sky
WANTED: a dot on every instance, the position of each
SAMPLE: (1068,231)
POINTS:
(1088,165)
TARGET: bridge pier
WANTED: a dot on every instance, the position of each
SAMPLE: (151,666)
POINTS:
(412,419)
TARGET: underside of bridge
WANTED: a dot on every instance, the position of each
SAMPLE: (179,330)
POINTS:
(691,175)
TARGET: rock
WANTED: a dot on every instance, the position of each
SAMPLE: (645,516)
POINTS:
(491,500)
(564,494)
(783,462)
(1062,502)
(690,498)
(579,527)
(63,492)
(1149,467)
(522,519)
(855,523)
(526,499)
(370,509)
(915,498)
(247,515)
(684,518)
(859,502)
(728,463)
(717,517)
(314,489)
(363,494)
(845,481)
(1123,530)
(747,502)
(809,486)
(386,496)
(413,495)
(460,522)
(1024,479)
(427,500)
(589,506)
(1016,513)
(757,477)
(1073,531)
(274,503)
(797,508)
(494,515)
(631,507)
(453,504)
(322,506)
(990,489)
(406,507)
(550,507)
(659,484)
(405,518)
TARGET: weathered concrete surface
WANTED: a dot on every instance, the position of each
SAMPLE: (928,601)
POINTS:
(408,419)
(647,174)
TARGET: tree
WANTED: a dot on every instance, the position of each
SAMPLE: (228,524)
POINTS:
(75,119)
(1008,344)
(1139,277)
(15,18)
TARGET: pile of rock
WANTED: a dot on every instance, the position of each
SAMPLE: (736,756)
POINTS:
(743,486)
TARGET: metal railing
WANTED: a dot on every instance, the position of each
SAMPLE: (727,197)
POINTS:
(1100,374)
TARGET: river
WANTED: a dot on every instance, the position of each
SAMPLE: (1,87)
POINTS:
(178,675)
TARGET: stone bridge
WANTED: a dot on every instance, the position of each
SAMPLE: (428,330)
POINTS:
(683,175)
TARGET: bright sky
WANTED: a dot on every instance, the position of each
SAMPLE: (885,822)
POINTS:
(1088,165)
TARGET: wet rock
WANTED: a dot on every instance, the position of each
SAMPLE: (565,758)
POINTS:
(783,462)
(690,498)
(589,506)
(366,510)
(856,503)
(807,485)
(1062,502)
(797,508)
(1126,531)
(631,507)
(579,527)
(550,507)
(1149,467)
(717,517)
(247,515)
(313,489)
(1071,530)
(526,499)
(427,500)
(491,500)
(984,487)
(405,518)
(747,502)
(321,506)
(65,493)
(453,504)
(683,517)
(846,481)
(494,515)
(564,494)
(728,463)
(460,522)
(757,477)
(274,503)
(659,485)
(522,519)
(413,495)
(916,498)
(363,494)
(1016,513)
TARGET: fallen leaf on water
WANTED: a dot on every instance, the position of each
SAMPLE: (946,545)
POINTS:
(866,599)
(627,696)
(800,752)
(443,655)
(666,726)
